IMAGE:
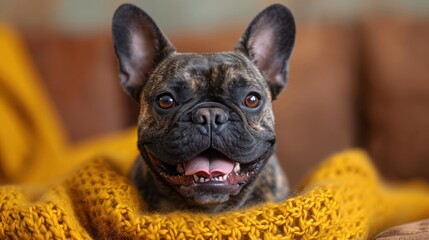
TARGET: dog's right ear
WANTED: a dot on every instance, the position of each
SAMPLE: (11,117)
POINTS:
(139,45)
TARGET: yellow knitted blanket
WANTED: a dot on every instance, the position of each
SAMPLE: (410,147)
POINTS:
(51,190)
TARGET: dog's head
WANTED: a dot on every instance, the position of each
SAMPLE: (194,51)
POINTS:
(206,127)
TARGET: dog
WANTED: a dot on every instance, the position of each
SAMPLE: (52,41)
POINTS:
(206,126)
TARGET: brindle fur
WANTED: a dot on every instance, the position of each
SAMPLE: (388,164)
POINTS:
(150,66)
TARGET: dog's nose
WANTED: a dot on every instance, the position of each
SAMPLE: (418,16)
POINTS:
(214,118)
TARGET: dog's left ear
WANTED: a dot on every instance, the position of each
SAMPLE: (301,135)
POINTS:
(268,42)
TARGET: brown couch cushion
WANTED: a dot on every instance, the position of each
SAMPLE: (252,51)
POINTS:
(412,231)
(315,115)
(396,62)
(80,73)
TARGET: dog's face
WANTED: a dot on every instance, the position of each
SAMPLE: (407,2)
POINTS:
(206,127)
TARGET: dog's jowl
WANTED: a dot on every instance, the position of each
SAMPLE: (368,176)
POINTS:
(206,126)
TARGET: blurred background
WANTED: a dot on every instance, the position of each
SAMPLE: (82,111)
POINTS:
(359,74)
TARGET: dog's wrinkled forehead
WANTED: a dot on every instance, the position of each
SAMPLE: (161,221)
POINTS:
(214,73)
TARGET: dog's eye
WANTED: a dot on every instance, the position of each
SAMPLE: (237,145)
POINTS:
(165,101)
(252,100)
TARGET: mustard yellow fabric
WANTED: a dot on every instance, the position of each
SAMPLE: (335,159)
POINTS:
(30,133)
(90,197)
(33,143)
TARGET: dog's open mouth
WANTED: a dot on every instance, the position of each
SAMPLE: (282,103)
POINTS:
(210,178)
(211,170)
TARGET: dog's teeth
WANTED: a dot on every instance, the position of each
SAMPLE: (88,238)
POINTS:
(237,167)
(180,169)
(218,179)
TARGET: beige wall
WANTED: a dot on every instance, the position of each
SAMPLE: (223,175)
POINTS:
(81,16)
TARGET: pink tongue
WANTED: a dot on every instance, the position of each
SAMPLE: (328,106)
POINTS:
(208,167)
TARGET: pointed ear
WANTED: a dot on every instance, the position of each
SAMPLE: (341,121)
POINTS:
(268,42)
(139,45)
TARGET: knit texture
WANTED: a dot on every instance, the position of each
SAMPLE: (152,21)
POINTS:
(83,191)
(343,199)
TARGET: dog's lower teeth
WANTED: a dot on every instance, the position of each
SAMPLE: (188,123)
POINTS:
(203,179)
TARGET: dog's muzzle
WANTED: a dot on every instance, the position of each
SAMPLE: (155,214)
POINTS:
(211,176)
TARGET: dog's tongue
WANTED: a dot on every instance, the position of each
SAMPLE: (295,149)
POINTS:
(209,167)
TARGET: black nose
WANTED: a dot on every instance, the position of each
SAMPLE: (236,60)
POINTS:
(210,119)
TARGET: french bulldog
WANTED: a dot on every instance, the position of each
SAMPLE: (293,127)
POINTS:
(206,126)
